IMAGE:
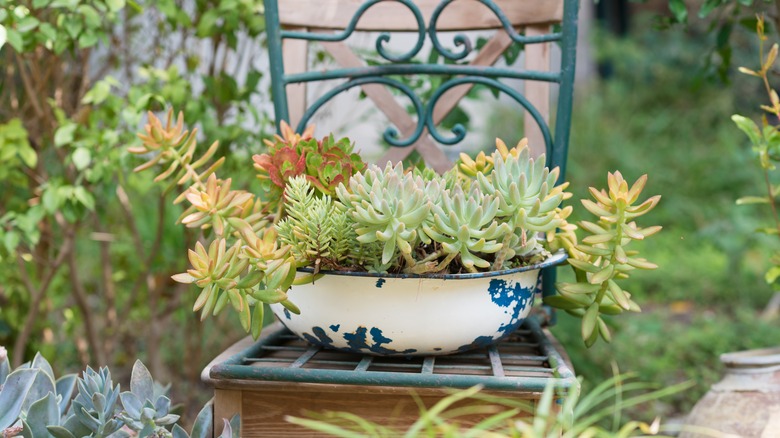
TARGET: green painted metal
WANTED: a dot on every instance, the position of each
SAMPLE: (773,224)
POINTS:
(274,37)
(402,65)
(463,40)
(240,367)
(559,153)
(424,69)
(398,65)
(380,41)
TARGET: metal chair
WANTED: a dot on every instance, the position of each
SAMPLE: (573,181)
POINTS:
(279,364)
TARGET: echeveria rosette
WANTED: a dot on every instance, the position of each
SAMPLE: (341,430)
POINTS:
(464,225)
(525,189)
(388,206)
(145,410)
(528,200)
(601,258)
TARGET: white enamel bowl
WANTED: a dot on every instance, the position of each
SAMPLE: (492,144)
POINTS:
(405,315)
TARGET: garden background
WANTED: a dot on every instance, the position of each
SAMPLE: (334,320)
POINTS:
(87,247)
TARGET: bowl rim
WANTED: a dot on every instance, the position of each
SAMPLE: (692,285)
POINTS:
(554,259)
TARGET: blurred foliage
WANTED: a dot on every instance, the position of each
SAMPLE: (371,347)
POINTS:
(720,20)
(82,241)
(657,114)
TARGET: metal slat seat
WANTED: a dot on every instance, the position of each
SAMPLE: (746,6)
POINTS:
(527,360)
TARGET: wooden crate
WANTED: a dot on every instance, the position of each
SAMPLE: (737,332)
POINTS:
(280,375)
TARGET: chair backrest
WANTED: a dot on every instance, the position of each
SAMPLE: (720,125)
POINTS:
(292,24)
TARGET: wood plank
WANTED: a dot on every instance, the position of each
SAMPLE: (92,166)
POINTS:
(393,16)
(397,115)
(227,403)
(296,60)
(537,57)
(265,411)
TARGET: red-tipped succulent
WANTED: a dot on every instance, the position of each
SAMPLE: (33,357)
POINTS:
(326,162)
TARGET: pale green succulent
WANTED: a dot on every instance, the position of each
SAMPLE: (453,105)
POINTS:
(525,189)
(35,404)
(464,224)
(388,206)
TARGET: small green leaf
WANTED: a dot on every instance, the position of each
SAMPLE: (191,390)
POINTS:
(14,38)
(84,197)
(749,127)
(561,302)
(708,7)
(772,274)
(64,134)
(752,200)
(27,24)
(81,158)
(208,23)
(28,155)
(577,288)
(679,10)
(51,200)
(257,319)
(589,321)
(245,315)
(2,36)
(603,275)
(11,241)
(115,5)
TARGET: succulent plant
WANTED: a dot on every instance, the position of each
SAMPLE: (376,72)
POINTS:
(388,206)
(324,208)
(469,168)
(216,204)
(173,148)
(464,225)
(145,410)
(317,230)
(325,163)
(34,404)
(602,257)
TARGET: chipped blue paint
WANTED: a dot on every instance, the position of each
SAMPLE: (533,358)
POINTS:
(358,342)
(321,337)
(335,327)
(514,298)
(380,282)
(479,342)
(287,313)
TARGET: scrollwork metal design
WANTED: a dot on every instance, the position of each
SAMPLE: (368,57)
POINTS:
(391,133)
(463,41)
(425,112)
(459,130)
(381,40)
